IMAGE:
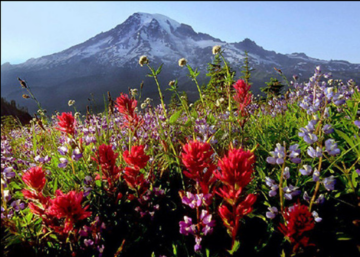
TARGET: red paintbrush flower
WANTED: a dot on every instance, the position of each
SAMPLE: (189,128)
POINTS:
(125,105)
(35,178)
(243,95)
(235,173)
(196,157)
(136,158)
(68,206)
(66,123)
(106,158)
(236,168)
(298,220)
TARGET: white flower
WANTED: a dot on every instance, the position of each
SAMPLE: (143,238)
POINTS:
(134,92)
(143,105)
(71,102)
(182,62)
(216,49)
(143,60)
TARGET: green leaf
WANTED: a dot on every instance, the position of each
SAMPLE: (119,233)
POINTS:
(175,117)
(14,185)
(29,217)
(235,247)
(354,175)
(349,141)
(174,250)
(211,119)
(159,69)
(55,185)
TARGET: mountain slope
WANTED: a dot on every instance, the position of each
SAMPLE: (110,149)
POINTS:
(109,62)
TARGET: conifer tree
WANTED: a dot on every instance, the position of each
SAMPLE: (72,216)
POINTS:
(273,87)
(246,69)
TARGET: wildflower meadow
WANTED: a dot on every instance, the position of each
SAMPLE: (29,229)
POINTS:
(232,174)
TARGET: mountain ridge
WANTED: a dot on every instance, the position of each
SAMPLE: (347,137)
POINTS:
(110,58)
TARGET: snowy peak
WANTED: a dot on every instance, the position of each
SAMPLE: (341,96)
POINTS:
(154,20)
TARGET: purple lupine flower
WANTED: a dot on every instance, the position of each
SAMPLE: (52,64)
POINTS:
(38,158)
(278,156)
(329,183)
(192,200)
(320,199)
(295,153)
(6,195)
(358,171)
(328,129)
(100,249)
(206,219)
(290,192)
(329,92)
(76,154)
(316,216)
(357,123)
(338,99)
(84,231)
(18,205)
(307,170)
(274,187)
(186,226)
(8,172)
(306,133)
(63,150)
(286,174)
(88,242)
(197,246)
(314,153)
(327,113)
(269,182)
(47,159)
(272,212)
(63,162)
(306,196)
(316,175)
(331,147)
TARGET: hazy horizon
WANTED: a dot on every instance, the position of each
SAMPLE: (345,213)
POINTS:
(322,30)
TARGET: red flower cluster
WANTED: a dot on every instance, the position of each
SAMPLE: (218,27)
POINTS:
(242,96)
(236,170)
(298,220)
(126,107)
(136,159)
(35,178)
(66,123)
(68,206)
(106,158)
(197,159)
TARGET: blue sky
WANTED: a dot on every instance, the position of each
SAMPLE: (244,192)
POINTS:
(324,30)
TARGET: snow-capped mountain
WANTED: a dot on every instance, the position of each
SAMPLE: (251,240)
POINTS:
(109,62)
